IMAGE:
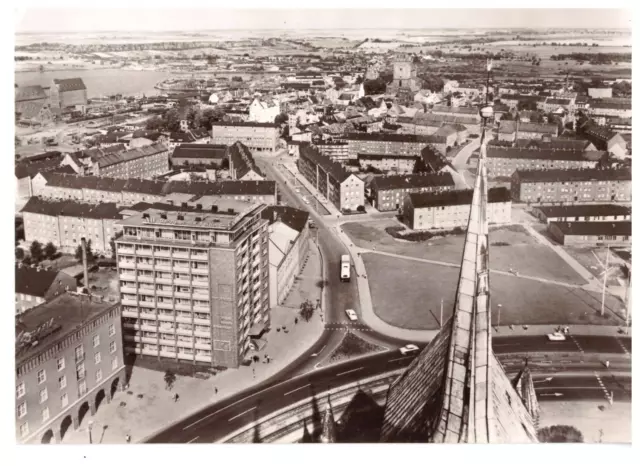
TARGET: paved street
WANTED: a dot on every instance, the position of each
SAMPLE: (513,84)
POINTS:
(573,376)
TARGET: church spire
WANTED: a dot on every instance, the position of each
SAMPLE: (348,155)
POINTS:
(328,434)
(523,383)
(456,391)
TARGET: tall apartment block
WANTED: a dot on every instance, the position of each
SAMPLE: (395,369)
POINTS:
(194,281)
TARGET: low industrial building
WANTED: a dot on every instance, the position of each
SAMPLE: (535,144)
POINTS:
(69,361)
(208,155)
(388,192)
(36,285)
(582,213)
(342,188)
(590,234)
(450,209)
(589,185)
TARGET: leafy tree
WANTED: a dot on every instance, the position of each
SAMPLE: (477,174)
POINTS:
(169,379)
(172,120)
(375,86)
(36,251)
(237,79)
(560,434)
(432,82)
(50,250)
(281,119)
(622,89)
(19,254)
(306,310)
(359,80)
(154,124)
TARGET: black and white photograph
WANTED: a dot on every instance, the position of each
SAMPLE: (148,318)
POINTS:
(350,226)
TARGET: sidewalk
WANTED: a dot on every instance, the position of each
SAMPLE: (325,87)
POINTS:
(293,169)
(582,330)
(156,410)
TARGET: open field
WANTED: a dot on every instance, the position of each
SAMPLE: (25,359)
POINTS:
(407,294)
(512,248)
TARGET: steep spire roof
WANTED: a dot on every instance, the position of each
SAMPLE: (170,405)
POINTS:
(523,383)
(456,391)
(328,425)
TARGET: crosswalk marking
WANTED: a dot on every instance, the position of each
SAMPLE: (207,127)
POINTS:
(624,348)
(577,344)
(606,392)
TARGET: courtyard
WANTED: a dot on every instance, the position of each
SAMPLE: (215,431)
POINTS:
(406,293)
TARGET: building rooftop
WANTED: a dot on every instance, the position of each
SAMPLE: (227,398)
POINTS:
(200,151)
(577,174)
(132,154)
(26,93)
(596,210)
(245,123)
(336,170)
(423,180)
(533,153)
(509,127)
(70,84)
(33,281)
(386,137)
(290,216)
(455,110)
(241,160)
(615,228)
(457,197)
(69,208)
(553,143)
(42,326)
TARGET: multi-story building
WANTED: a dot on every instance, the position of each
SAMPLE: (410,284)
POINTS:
(264,110)
(600,111)
(591,233)
(262,137)
(241,164)
(141,162)
(605,139)
(469,112)
(389,192)
(69,361)
(92,189)
(600,92)
(427,210)
(405,76)
(194,281)
(35,285)
(199,154)
(68,93)
(335,150)
(383,143)
(571,186)
(344,189)
(503,161)
(425,124)
(511,130)
(559,143)
(386,163)
(64,223)
(288,248)
(582,213)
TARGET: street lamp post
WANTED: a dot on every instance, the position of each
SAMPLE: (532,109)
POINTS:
(499,309)
(90,427)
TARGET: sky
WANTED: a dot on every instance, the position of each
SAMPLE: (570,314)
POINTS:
(193,19)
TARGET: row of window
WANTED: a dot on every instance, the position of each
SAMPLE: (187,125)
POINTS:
(22,409)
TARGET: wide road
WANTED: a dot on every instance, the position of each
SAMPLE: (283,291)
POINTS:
(218,420)
(339,295)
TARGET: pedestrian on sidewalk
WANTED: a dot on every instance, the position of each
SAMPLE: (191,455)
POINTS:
(127,438)
(254,372)
(606,364)
(317,303)
(176,397)
(296,320)
(216,390)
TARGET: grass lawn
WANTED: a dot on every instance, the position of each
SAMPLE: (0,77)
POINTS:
(512,247)
(352,346)
(407,294)
(585,256)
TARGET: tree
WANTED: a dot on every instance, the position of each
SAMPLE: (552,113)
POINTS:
(154,124)
(306,310)
(281,119)
(90,256)
(169,379)
(359,80)
(172,120)
(19,254)
(374,86)
(36,251)
(50,250)
(560,434)
(432,82)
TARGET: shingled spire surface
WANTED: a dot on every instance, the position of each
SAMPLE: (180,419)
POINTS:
(456,391)
(523,383)
(328,434)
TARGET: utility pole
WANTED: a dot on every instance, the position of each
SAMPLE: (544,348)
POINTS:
(626,301)
(499,309)
(441,309)
(604,281)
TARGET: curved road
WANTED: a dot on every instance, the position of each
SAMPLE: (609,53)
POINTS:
(580,382)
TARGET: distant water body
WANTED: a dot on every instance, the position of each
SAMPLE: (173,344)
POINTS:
(99,82)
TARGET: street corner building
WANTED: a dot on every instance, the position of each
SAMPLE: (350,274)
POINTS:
(69,360)
(194,281)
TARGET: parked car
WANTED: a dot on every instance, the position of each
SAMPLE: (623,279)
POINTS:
(409,349)
(556,336)
(351,314)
